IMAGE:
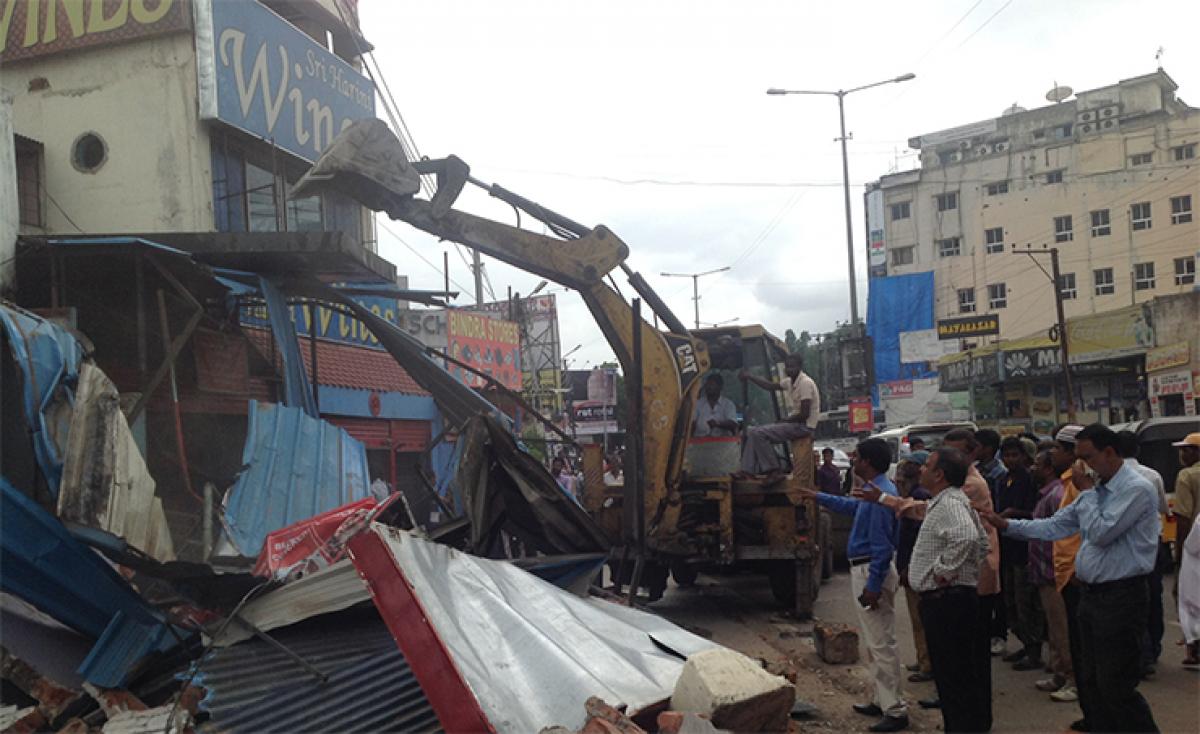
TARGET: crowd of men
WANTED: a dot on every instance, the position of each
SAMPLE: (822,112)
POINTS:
(1059,542)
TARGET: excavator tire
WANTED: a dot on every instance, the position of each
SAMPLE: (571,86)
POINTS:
(788,576)
(684,573)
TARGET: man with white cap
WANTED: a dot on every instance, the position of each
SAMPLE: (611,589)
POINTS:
(1118,523)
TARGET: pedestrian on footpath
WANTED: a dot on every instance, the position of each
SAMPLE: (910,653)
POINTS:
(1118,523)
(908,484)
(947,557)
(987,455)
(873,581)
(1187,503)
(1016,497)
(1061,684)
(1075,476)
(1152,639)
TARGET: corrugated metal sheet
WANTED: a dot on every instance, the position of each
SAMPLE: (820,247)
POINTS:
(254,687)
(404,435)
(296,467)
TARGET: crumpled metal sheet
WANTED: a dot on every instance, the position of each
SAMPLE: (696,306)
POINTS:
(254,687)
(48,357)
(105,482)
(530,653)
(296,467)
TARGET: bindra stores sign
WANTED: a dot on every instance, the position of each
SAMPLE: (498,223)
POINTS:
(34,28)
(261,74)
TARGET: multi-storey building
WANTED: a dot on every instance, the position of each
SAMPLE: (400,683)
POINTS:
(1108,177)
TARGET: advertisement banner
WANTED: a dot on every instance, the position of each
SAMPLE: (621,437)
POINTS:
(1172,355)
(261,74)
(861,417)
(593,418)
(980,371)
(924,346)
(984,325)
(538,319)
(1111,334)
(491,346)
(895,389)
(876,244)
(34,28)
(332,325)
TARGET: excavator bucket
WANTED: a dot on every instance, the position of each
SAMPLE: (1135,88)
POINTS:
(367,163)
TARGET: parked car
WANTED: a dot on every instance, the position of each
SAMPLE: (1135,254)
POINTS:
(931,433)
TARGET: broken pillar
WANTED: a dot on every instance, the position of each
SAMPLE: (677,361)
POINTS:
(734,692)
(836,643)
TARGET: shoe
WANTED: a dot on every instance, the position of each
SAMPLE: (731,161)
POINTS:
(1049,685)
(930,703)
(915,667)
(998,645)
(868,709)
(1080,725)
(890,723)
(1013,657)
(1027,664)
(920,677)
(1066,694)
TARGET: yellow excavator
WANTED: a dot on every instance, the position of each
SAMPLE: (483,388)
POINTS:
(367,162)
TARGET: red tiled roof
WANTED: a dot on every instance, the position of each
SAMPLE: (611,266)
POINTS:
(346,365)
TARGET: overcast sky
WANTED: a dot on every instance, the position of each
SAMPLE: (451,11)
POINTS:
(651,117)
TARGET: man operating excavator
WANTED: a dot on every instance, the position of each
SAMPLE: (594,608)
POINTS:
(759,457)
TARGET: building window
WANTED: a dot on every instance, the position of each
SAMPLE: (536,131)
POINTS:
(946,157)
(1103,279)
(1185,270)
(1063,131)
(947,201)
(1140,215)
(997,295)
(29,182)
(1101,227)
(1184,152)
(250,195)
(1066,286)
(966,300)
(1054,177)
(901,210)
(902,255)
(88,153)
(1143,276)
(1063,229)
(993,240)
(949,247)
(995,189)
(1141,159)
(1039,134)
(1181,209)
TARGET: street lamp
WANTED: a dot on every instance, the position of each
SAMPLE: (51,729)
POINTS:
(696,286)
(841,94)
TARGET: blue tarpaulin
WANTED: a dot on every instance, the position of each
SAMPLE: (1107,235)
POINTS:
(895,304)
(296,467)
(47,357)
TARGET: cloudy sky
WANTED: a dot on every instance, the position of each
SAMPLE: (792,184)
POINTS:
(650,117)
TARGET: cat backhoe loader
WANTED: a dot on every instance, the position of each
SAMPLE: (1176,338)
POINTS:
(367,162)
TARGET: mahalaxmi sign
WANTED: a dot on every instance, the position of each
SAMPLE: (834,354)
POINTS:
(970,326)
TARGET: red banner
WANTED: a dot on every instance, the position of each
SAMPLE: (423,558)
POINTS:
(309,545)
(488,345)
(862,417)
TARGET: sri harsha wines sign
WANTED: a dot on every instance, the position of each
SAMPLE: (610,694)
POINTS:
(34,28)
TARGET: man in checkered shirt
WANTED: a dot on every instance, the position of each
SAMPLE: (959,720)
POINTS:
(944,570)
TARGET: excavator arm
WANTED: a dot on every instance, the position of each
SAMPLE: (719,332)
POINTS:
(366,162)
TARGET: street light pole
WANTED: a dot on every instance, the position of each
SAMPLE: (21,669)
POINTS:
(696,286)
(841,96)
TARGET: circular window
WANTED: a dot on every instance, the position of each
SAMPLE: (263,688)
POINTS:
(89,152)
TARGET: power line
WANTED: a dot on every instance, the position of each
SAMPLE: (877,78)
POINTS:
(421,257)
(984,25)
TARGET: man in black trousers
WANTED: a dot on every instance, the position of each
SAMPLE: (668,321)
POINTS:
(944,570)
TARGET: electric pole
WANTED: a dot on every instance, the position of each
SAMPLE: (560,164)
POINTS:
(1055,277)
(696,286)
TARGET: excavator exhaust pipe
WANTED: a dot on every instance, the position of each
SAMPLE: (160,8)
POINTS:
(367,163)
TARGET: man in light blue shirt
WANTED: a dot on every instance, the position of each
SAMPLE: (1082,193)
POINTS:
(1118,523)
(873,581)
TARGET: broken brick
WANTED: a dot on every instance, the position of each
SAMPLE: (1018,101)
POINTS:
(836,643)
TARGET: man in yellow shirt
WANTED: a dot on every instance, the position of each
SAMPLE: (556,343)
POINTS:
(1187,490)
(1075,479)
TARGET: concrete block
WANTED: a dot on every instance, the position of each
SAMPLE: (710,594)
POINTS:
(836,643)
(734,692)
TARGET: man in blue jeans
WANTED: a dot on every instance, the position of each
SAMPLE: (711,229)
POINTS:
(873,581)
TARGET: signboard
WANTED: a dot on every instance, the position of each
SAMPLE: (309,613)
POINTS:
(1179,382)
(592,418)
(537,317)
(984,325)
(924,346)
(876,245)
(426,325)
(1172,355)
(1111,334)
(491,346)
(895,389)
(1036,362)
(34,28)
(261,74)
(861,417)
(962,373)
(332,325)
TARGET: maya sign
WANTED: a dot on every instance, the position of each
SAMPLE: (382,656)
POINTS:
(262,75)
